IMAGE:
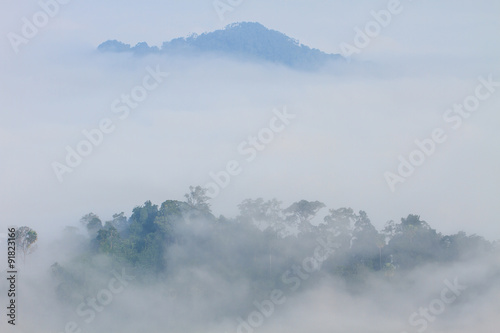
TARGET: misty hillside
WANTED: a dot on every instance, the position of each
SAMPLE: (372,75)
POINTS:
(264,229)
(246,40)
(180,268)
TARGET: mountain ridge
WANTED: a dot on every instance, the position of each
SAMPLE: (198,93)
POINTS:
(243,40)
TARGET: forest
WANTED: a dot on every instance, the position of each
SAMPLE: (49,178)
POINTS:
(264,245)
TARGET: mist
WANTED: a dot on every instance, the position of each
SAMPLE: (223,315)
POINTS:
(341,139)
(268,269)
(243,128)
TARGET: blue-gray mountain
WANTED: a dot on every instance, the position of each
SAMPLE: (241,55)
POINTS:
(246,40)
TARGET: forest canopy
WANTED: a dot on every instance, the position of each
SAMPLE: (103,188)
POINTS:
(265,238)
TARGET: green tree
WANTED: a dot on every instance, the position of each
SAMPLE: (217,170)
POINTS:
(142,219)
(170,215)
(119,221)
(92,223)
(301,213)
(340,223)
(266,214)
(25,240)
(364,246)
(107,238)
(414,242)
(197,198)
(389,230)
(380,244)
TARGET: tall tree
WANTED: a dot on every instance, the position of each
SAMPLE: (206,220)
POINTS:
(364,243)
(25,240)
(197,198)
(414,242)
(340,224)
(107,238)
(302,212)
(142,219)
(92,223)
(119,221)
(264,214)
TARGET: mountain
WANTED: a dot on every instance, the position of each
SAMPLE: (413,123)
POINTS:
(246,40)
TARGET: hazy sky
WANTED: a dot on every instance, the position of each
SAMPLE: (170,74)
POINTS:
(347,132)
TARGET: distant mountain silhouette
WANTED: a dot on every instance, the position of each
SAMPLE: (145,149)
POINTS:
(246,40)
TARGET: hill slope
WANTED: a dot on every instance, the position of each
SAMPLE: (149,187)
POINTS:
(246,41)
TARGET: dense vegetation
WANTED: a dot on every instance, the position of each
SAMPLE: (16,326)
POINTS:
(259,245)
(247,40)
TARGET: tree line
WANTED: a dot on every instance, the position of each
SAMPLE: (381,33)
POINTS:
(143,238)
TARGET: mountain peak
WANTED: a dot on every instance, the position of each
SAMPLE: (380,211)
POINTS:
(241,40)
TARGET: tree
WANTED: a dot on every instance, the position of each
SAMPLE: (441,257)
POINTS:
(107,237)
(119,221)
(380,244)
(266,214)
(363,226)
(92,223)
(252,210)
(169,215)
(340,224)
(25,238)
(142,219)
(197,198)
(460,246)
(364,243)
(389,230)
(302,213)
(414,242)
(411,225)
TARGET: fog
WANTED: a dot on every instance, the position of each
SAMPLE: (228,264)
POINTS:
(348,125)
(340,143)
(222,276)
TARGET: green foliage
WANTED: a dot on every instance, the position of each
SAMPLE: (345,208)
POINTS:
(302,212)
(142,219)
(119,221)
(197,198)
(25,240)
(107,238)
(414,243)
(92,223)
(258,211)
(264,240)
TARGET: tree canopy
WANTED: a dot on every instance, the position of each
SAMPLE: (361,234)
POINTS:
(25,241)
(264,240)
